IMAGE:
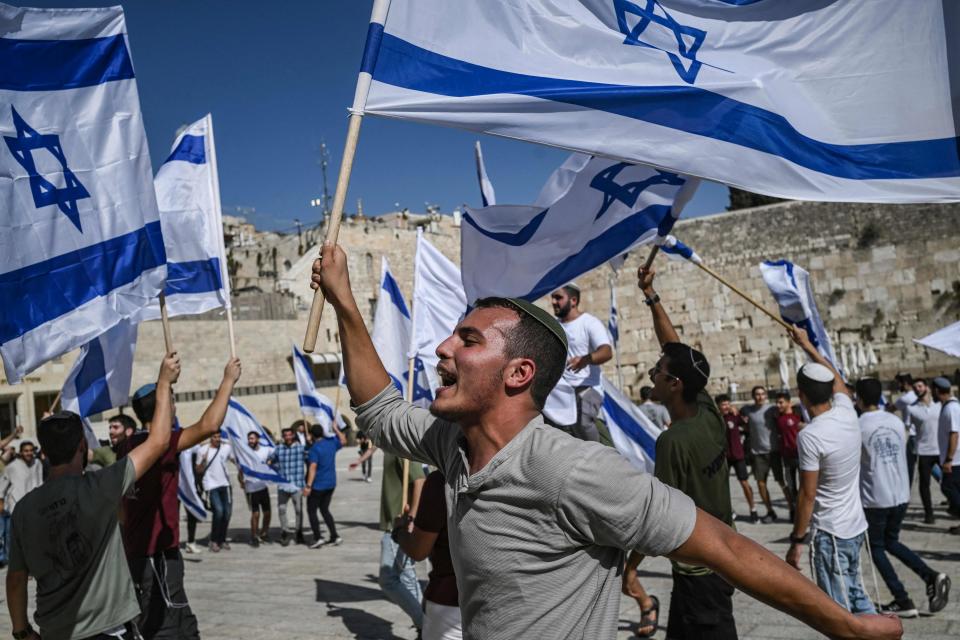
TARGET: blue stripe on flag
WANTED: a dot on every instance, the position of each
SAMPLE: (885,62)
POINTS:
(313,403)
(196,276)
(630,427)
(305,361)
(93,392)
(197,509)
(52,65)
(611,242)
(190,149)
(46,290)
(686,109)
(393,289)
(517,239)
(372,47)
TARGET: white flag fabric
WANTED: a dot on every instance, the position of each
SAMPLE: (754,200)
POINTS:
(726,90)
(946,340)
(591,210)
(100,377)
(677,250)
(236,425)
(613,326)
(187,186)
(312,402)
(80,241)
(391,328)
(439,303)
(634,436)
(487,195)
(790,286)
(187,487)
(784,367)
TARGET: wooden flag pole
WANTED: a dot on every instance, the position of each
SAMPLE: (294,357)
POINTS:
(215,188)
(233,340)
(406,463)
(377,18)
(744,295)
(653,254)
(56,401)
(165,321)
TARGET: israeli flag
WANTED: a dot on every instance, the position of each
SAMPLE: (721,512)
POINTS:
(790,286)
(187,486)
(946,340)
(100,377)
(188,195)
(676,250)
(612,325)
(763,95)
(591,210)
(439,304)
(236,425)
(312,402)
(487,195)
(634,436)
(81,246)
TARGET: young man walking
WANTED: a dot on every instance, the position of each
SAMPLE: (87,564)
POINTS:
(66,534)
(288,458)
(212,461)
(735,453)
(764,446)
(788,429)
(322,481)
(948,434)
(885,492)
(924,418)
(829,498)
(258,495)
(528,507)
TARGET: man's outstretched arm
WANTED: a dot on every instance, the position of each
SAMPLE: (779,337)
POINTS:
(216,411)
(755,571)
(661,321)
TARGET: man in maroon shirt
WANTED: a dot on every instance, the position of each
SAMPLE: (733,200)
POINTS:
(789,425)
(735,455)
(427,536)
(151,516)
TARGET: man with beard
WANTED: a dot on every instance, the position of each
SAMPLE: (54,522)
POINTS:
(588,347)
(538,520)
(119,428)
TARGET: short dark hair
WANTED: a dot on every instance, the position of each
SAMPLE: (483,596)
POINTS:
(144,406)
(645,392)
(904,377)
(296,424)
(784,395)
(253,432)
(316,430)
(817,392)
(759,386)
(689,366)
(531,339)
(869,390)
(722,398)
(59,436)
(26,443)
(573,292)
(125,420)
(286,429)
(923,380)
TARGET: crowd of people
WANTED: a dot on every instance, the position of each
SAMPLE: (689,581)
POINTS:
(532,528)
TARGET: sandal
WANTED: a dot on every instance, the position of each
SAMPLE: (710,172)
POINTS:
(647,621)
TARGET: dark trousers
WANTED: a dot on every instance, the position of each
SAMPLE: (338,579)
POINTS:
(165,612)
(701,608)
(191,527)
(222,507)
(320,499)
(950,485)
(925,465)
(129,633)
(884,534)
(911,458)
(367,467)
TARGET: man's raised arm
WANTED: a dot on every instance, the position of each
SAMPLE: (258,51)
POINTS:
(144,456)
(215,412)
(802,340)
(661,321)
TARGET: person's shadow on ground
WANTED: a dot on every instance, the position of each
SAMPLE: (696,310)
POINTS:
(361,624)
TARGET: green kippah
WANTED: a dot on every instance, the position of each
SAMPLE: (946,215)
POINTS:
(541,316)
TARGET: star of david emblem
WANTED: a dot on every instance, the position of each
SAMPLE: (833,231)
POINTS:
(419,392)
(44,192)
(606,182)
(680,43)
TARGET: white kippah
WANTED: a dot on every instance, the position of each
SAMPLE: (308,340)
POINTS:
(817,372)
(573,285)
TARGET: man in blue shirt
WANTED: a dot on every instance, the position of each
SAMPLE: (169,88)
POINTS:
(322,480)
(288,459)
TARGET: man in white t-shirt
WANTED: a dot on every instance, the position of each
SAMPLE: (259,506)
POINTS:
(923,416)
(829,497)
(258,496)
(574,404)
(902,404)
(212,467)
(885,492)
(949,433)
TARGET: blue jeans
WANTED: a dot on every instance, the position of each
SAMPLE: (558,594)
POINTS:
(398,579)
(222,508)
(836,565)
(4,537)
(884,534)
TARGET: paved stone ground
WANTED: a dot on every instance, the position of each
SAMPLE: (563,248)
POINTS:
(292,592)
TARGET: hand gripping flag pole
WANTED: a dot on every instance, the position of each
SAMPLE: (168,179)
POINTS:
(374,35)
(165,321)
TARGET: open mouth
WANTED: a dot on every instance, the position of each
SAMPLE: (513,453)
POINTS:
(447,379)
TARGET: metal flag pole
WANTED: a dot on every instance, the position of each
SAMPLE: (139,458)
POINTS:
(374,35)
(215,187)
(616,342)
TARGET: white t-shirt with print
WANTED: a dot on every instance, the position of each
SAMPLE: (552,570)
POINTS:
(924,418)
(831,444)
(216,464)
(884,481)
(950,423)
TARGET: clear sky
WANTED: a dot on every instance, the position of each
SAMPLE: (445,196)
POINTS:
(278,77)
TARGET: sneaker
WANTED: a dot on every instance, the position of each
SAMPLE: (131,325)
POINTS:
(191,547)
(301,539)
(938,591)
(255,543)
(284,539)
(214,547)
(319,543)
(265,538)
(903,608)
(770,517)
(336,542)
(754,517)
(929,519)
(369,479)
(225,546)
